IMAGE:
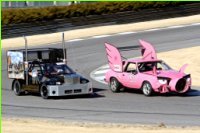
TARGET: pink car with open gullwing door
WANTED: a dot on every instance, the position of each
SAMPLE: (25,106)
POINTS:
(147,73)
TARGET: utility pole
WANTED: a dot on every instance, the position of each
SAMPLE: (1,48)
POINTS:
(26,62)
(64,49)
(55,3)
(9,4)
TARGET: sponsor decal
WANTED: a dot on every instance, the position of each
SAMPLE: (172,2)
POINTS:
(15,65)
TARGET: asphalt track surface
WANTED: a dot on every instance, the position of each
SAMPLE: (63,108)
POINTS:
(130,107)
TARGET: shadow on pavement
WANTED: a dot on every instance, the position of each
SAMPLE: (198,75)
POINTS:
(84,96)
(191,93)
(87,96)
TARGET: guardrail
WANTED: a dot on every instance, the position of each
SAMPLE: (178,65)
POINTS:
(60,25)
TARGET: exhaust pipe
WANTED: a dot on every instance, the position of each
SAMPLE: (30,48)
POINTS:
(64,49)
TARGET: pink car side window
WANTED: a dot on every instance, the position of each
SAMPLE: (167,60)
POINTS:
(131,68)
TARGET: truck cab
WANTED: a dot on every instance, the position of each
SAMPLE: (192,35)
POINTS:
(44,72)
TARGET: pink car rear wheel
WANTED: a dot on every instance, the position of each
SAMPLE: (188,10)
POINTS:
(114,85)
(147,89)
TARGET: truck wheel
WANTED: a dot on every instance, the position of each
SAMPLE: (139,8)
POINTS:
(147,89)
(44,92)
(16,87)
(114,85)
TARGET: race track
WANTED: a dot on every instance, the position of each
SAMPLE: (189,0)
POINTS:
(104,106)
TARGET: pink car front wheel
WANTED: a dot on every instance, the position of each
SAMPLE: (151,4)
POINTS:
(147,89)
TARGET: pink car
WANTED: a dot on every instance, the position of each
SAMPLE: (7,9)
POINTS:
(147,73)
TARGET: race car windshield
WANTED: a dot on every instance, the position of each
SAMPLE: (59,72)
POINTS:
(148,66)
(59,69)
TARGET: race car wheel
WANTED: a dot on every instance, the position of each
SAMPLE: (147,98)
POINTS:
(44,92)
(17,87)
(114,85)
(147,89)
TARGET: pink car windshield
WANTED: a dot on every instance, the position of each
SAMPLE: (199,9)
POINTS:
(148,66)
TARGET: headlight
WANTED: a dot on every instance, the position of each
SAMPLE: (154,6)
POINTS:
(58,83)
(84,81)
(162,81)
(188,79)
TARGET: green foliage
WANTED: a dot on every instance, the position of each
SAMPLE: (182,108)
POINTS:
(30,15)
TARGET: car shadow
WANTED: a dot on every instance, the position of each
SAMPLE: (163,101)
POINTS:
(135,91)
(191,93)
(194,93)
(98,90)
(95,94)
(86,96)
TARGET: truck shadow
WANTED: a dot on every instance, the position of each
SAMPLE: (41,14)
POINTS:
(95,94)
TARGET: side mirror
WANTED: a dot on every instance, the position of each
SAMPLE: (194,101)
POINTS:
(134,72)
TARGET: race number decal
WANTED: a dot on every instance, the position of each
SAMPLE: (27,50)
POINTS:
(117,68)
(131,78)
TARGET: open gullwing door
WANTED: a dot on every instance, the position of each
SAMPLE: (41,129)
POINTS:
(114,58)
(148,51)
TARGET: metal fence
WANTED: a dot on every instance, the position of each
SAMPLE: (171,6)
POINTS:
(60,25)
(25,4)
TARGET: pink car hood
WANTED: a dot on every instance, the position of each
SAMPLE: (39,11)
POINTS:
(169,74)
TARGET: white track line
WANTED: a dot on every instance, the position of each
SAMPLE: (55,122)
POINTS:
(101,36)
(74,40)
(98,74)
(176,26)
(105,67)
(155,29)
(152,30)
(100,78)
(195,24)
(101,71)
(126,33)
(132,32)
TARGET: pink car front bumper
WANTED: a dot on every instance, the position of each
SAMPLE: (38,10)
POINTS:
(176,85)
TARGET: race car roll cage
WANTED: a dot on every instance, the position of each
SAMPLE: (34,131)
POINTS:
(46,55)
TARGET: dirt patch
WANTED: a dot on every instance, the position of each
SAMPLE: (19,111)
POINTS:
(81,33)
(190,56)
(25,125)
